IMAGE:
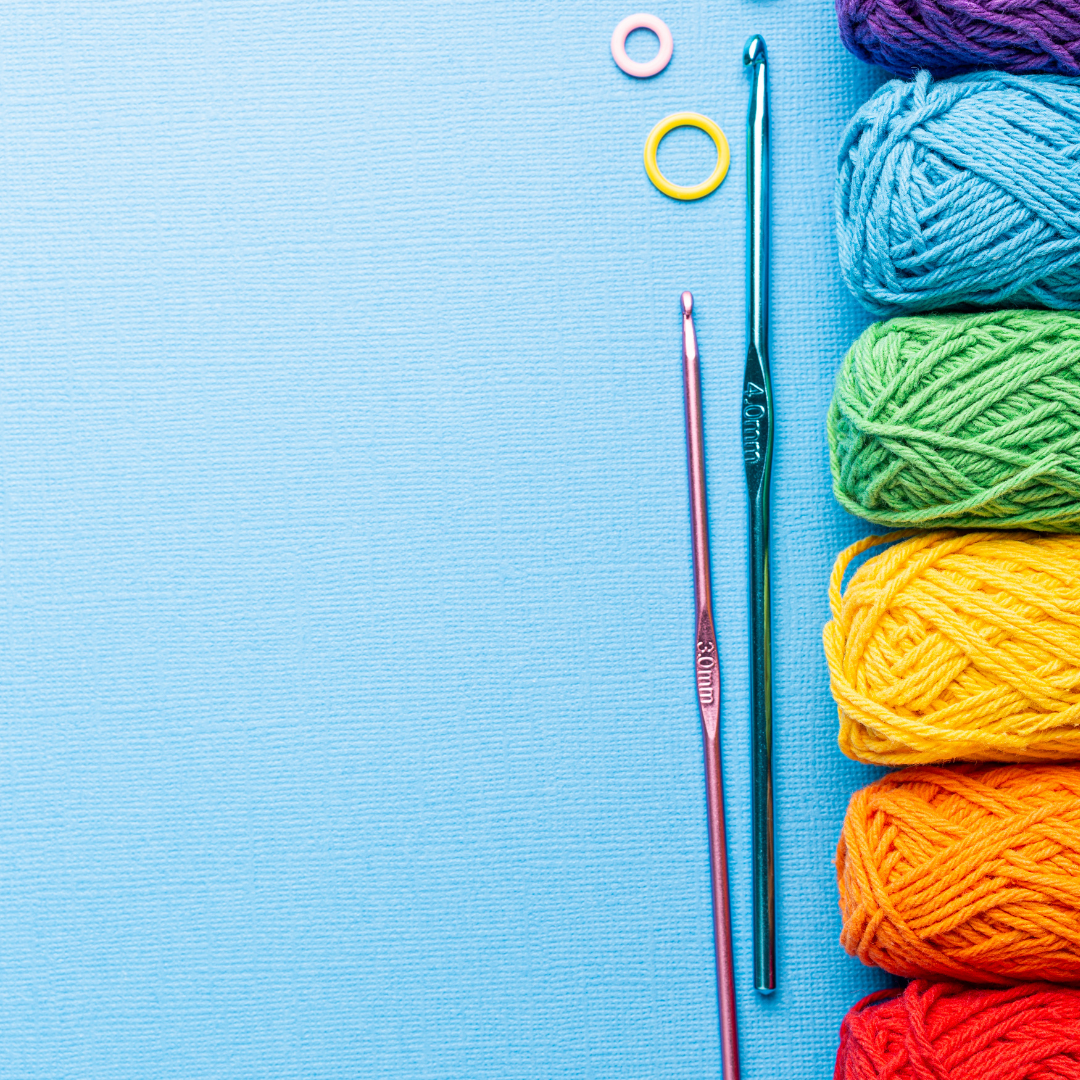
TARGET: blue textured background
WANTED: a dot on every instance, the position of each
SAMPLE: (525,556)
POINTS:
(347,719)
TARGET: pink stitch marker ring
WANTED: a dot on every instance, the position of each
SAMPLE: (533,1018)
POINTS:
(641,21)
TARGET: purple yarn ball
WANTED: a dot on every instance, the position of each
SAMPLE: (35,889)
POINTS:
(949,37)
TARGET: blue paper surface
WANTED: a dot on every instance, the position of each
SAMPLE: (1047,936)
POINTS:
(348,724)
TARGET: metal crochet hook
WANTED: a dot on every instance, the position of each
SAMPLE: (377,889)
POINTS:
(757,438)
(707,669)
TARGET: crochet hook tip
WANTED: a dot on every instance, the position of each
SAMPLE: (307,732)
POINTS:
(754,53)
(687,301)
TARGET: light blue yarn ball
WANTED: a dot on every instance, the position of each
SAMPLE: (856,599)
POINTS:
(963,192)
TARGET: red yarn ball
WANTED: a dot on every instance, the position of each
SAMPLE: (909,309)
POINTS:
(950,1031)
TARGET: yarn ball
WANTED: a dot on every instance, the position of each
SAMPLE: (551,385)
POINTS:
(948,1031)
(968,872)
(966,420)
(963,192)
(952,36)
(958,646)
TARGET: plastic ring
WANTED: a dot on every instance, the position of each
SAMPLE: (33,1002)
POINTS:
(642,21)
(687,119)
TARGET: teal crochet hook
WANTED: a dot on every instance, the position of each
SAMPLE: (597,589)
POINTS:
(757,439)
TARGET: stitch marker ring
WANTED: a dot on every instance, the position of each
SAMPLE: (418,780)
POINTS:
(723,155)
(641,21)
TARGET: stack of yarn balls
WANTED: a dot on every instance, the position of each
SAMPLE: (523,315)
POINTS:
(954,645)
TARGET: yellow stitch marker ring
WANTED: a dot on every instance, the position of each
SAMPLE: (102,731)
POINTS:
(687,119)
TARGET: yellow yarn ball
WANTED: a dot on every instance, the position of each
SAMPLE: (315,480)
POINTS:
(958,646)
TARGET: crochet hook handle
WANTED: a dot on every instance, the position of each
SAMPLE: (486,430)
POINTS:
(707,675)
(757,435)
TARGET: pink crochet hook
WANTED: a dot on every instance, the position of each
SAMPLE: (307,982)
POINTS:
(707,669)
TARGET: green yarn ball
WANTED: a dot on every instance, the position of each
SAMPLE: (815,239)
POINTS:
(961,420)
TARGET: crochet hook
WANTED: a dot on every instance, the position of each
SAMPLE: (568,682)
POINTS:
(707,674)
(757,438)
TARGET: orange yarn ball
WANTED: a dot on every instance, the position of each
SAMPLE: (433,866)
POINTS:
(971,872)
